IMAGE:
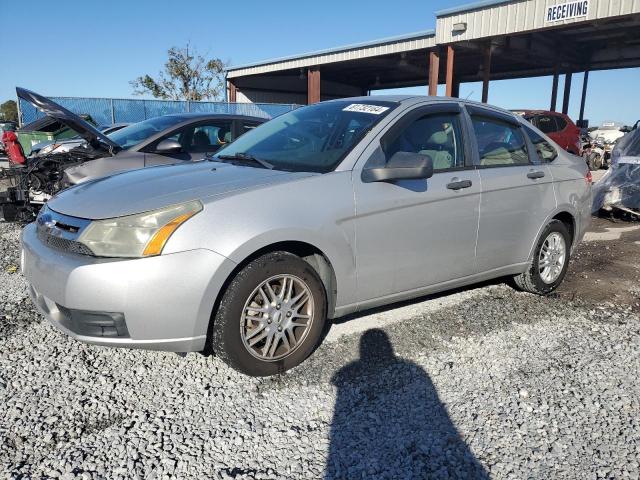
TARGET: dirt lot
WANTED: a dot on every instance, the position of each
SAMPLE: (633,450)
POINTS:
(606,266)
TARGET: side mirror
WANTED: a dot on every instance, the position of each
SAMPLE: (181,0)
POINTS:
(401,166)
(168,146)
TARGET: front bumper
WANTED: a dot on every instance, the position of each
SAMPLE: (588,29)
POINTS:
(156,303)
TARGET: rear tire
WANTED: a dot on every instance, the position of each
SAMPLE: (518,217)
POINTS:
(265,302)
(550,261)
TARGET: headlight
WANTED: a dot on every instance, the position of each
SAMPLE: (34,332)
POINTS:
(141,235)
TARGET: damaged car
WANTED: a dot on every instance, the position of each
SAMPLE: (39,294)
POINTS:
(324,211)
(175,138)
(619,189)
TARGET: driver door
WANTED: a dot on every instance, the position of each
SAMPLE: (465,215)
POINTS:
(412,234)
(197,141)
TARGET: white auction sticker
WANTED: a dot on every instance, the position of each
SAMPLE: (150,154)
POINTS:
(363,108)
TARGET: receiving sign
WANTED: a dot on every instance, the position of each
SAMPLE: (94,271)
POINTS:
(566,11)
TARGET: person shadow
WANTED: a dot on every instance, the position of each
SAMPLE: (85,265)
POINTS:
(390,423)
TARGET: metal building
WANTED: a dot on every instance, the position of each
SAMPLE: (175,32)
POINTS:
(483,41)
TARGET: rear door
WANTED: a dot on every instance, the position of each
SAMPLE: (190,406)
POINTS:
(198,140)
(517,189)
(416,233)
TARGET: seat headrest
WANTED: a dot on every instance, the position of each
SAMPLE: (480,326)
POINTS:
(439,138)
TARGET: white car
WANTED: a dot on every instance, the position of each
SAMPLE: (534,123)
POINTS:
(610,132)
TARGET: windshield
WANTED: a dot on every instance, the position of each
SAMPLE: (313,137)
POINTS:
(310,139)
(132,135)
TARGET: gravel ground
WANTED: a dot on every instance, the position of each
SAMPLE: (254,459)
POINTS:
(480,383)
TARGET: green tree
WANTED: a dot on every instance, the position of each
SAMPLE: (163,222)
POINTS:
(9,111)
(187,75)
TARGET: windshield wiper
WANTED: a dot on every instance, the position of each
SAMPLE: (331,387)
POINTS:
(244,158)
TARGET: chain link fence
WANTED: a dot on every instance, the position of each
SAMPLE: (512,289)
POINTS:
(105,111)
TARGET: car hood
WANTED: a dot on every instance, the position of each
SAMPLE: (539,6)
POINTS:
(151,188)
(71,120)
(608,134)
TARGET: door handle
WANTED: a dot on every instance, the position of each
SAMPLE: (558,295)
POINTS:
(533,174)
(459,184)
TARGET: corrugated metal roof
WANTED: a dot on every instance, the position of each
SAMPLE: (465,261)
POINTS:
(345,48)
(494,18)
(470,6)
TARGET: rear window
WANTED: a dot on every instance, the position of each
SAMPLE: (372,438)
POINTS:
(546,123)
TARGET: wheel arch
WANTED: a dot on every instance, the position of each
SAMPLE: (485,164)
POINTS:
(567,216)
(306,251)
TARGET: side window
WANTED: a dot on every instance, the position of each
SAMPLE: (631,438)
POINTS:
(209,137)
(437,136)
(545,150)
(499,143)
(561,124)
(202,138)
(546,123)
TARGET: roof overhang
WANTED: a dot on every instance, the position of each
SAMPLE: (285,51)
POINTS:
(382,47)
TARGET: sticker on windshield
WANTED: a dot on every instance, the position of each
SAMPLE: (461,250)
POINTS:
(363,108)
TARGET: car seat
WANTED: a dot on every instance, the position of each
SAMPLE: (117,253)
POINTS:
(439,145)
(224,136)
(201,139)
(13,148)
(496,153)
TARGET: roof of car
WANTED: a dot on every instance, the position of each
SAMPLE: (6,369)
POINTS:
(413,99)
(232,116)
(527,111)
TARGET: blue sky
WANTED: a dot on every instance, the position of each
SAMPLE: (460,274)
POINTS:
(90,48)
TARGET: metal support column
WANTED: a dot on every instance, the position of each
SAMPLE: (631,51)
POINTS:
(450,62)
(567,92)
(455,92)
(313,86)
(585,83)
(554,89)
(486,74)
(434,72)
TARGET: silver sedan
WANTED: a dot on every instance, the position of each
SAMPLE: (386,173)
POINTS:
(327,210)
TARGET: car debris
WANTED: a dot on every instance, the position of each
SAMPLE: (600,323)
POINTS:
(156,141)
(619,188)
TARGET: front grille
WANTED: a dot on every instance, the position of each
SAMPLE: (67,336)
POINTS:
(61,232)
(63,244)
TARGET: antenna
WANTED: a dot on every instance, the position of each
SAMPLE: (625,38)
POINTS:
(472,92)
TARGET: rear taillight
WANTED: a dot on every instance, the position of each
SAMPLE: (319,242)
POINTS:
(588,178)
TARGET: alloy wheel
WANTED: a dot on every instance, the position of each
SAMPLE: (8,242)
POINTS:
(276,317)
(552,258)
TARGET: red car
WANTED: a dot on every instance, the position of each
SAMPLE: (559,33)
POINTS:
(557,126)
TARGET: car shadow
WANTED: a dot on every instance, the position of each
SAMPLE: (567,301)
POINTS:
(390,423)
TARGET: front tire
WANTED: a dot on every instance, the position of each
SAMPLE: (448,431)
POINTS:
(594,162)
(550,261)
(271,316)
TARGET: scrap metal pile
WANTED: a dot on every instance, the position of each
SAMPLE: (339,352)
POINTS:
(33,182)
(619,189)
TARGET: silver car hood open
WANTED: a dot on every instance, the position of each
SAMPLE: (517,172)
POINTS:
(151,188)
